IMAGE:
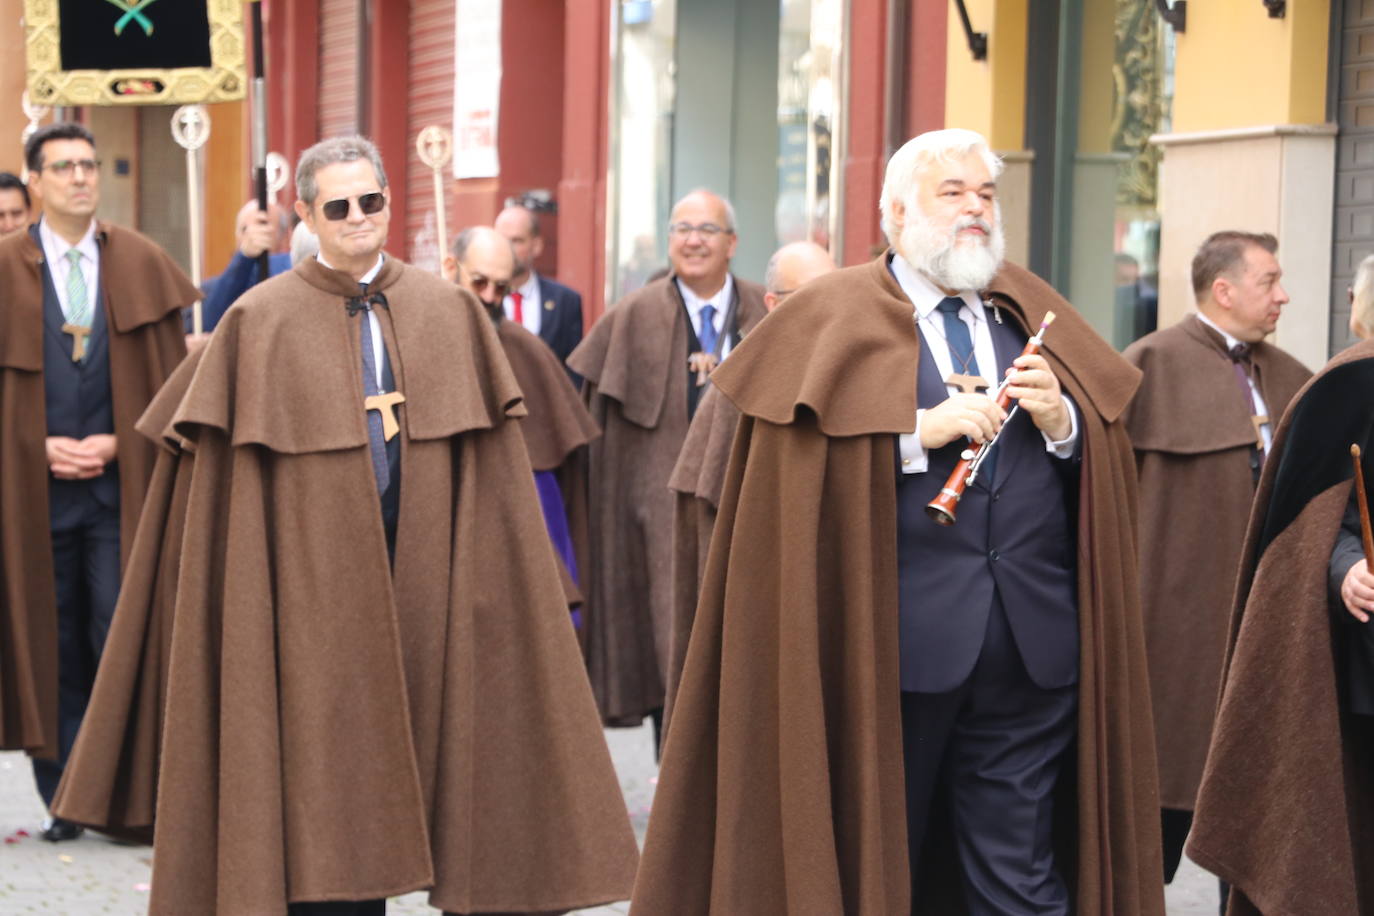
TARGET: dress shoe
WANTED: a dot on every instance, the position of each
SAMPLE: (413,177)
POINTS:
(57,830)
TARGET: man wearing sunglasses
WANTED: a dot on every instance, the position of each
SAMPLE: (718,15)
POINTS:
(91,327)
(646,363)
(558,427)
(372,652)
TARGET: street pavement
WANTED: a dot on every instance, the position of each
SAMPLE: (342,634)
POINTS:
(94,876)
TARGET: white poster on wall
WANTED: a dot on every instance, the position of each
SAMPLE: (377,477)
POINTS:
(476,88)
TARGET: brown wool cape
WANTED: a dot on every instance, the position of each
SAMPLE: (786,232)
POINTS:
(1192,434)
(110,781)
(696,484)
(634,361)
(344,731)
(1285,813)
(144,292)
(556,429)
(781,789)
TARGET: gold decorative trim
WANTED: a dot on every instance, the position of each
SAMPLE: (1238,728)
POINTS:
(225,80)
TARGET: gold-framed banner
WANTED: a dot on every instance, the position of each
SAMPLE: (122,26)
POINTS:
(135,52)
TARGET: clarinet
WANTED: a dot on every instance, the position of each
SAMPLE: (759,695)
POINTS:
(943,507)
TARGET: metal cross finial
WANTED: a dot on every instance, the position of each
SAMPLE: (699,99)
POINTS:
(278,172)
(191,126)
(435,146)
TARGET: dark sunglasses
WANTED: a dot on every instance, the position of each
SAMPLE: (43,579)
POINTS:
(368,203)
(480,284)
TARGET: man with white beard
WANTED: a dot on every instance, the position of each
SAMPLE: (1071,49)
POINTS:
(886,715)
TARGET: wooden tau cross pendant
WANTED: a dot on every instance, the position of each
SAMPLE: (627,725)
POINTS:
(1259,421)
(386,403)
(968,384)
(702,364)
(80,334)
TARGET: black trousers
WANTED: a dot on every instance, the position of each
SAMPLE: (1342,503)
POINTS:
(991,752)
(86,570)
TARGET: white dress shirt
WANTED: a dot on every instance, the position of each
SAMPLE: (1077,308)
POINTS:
(531,308)
(925,296)
(720,300)
(55,250)
(378,346)
(1261,410)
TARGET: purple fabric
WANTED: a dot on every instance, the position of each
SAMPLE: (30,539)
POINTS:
(556,520)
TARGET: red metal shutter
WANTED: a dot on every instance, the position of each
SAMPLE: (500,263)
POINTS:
(429,101)
(338,109)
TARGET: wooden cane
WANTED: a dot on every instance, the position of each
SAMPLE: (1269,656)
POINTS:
(1363,502)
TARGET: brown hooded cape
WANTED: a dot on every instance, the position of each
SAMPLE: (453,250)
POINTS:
(110,781)
(696,484)
(634,362)
(345,731)
(781,789)
(556,428)
(1192,435)
(1285,813)
(144,292)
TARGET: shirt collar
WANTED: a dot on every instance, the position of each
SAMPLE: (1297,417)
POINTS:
(57,246)
(367,277)
(925,295)
(721,299)
(529,290)
(1230,341)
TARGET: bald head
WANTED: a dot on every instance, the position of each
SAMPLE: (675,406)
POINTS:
(701,241)
(484,263)
(792,266)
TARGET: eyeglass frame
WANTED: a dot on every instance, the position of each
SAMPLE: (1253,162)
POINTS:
(707,231)
(347,202)
(66,168)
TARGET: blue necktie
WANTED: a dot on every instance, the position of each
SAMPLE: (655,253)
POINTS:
(957,336)
(961,352)
(376,441)
(707,335)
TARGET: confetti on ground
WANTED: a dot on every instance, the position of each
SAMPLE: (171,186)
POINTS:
(143,888)
(653,780)
(67,859)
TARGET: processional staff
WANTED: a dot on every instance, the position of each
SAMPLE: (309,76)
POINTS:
(1362,501)
(435,146)
(190,129)
(259,125)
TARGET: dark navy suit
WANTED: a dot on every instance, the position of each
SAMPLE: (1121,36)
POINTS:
(989,653)
(83,518)
(560,321)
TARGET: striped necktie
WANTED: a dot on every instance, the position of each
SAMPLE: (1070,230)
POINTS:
(78,298)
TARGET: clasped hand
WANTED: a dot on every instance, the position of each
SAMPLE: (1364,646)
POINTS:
(79,459)
(977,416)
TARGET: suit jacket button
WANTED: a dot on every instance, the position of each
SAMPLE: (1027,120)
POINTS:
(993,555)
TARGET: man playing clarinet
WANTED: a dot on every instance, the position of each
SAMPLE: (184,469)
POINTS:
(848,648)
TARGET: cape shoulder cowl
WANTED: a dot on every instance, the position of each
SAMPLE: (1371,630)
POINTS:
(558,423)
(848,353)
(630,353)
(1187,371)
(1282,734)
(143,292)
(291,334)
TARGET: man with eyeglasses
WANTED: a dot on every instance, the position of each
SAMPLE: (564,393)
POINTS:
(90,325)
(646,363)
(543,305)
(558,427)
(372,654)
(700,470)
(14,203)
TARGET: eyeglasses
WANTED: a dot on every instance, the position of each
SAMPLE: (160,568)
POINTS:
(707,231)
(368,203)
(499,288)
(65,167)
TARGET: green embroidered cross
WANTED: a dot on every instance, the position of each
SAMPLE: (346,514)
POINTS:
(133,12)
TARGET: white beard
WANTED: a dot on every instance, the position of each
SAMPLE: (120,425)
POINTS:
(947,262)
